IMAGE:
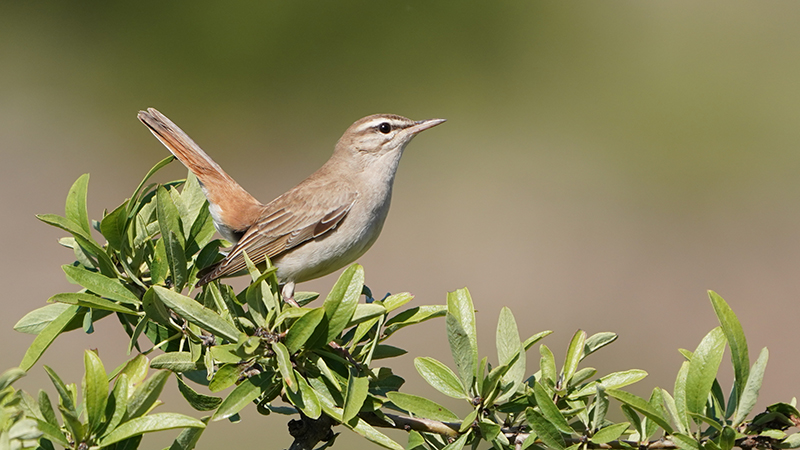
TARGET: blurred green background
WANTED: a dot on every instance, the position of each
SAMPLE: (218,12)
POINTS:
(603,163)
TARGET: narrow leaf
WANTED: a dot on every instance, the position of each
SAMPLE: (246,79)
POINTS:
(509,346)
(147,424)
(422,407)
(549,409)
(76,203)
(703,370)
(736,340)
(610,433)
(46,337)
(574,354)
(642,406)
(196,313)
(244,394)
(546,431)
(355,395)
(440,377)
(95,389)
(302,329)
(750,393)
(285,365)
(100,284)
(342,301)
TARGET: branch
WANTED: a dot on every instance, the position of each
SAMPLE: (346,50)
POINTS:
(450,430)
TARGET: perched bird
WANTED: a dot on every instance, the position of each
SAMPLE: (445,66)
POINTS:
(319,226)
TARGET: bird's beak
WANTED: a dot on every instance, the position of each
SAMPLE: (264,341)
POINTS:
(423,125)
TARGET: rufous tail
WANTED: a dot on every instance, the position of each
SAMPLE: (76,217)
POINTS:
(234,210)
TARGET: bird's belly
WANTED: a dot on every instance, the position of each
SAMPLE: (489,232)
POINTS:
(331,252)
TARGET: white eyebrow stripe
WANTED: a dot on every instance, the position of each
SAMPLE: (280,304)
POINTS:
(377,121)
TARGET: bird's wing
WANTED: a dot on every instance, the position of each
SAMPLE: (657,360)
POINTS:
(287,222)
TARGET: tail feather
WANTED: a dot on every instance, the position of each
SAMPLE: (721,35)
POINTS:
(234,210)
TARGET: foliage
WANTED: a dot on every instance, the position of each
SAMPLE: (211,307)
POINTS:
(322,363)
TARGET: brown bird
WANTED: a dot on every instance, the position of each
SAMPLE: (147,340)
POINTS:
(319,226)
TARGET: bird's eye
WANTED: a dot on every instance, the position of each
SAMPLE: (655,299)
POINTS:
(385,128)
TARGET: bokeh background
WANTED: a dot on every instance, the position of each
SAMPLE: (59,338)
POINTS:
(603,163)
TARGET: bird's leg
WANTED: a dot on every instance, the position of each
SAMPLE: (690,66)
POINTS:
(288,294)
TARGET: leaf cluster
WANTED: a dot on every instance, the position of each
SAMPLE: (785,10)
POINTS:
(323,364)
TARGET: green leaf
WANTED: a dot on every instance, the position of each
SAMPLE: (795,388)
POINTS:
(508,347)
(196,400)
(657,402)
(750,393)
(46,337)
(73,424)
(685,442)
(422,407)
(610,433)
(546,431)
(549,409)
(285,365)
(395,301)
(413,316)
(736,340)
(535,338)
(631,414)
(342,301)
(172,234)
(489,430)
(150,173)
(727,438)
(642,406)
(371,434)
(703,370)
(175,361)
(52,433)
(598,341)
(187,439)
(462,335)
(148,424)
(547,366)
(305,399)
(83,239)
(95,389)
(611,381)
(364,312)
(90,301)
(356,393)
(793,441)
(680,395)
(146,394)
(462,350)
(672,409)
(302,329)
(10,376)
(75,209)
(35,321)
(135,369)
(574,355)
(247,391)
(458,444)
(197,313)
(225,377)
(383,351)
(100,284)
(113,226)
(46,408)
(117,404)
(440,377)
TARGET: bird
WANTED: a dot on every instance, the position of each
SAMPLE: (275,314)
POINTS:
(324,223)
